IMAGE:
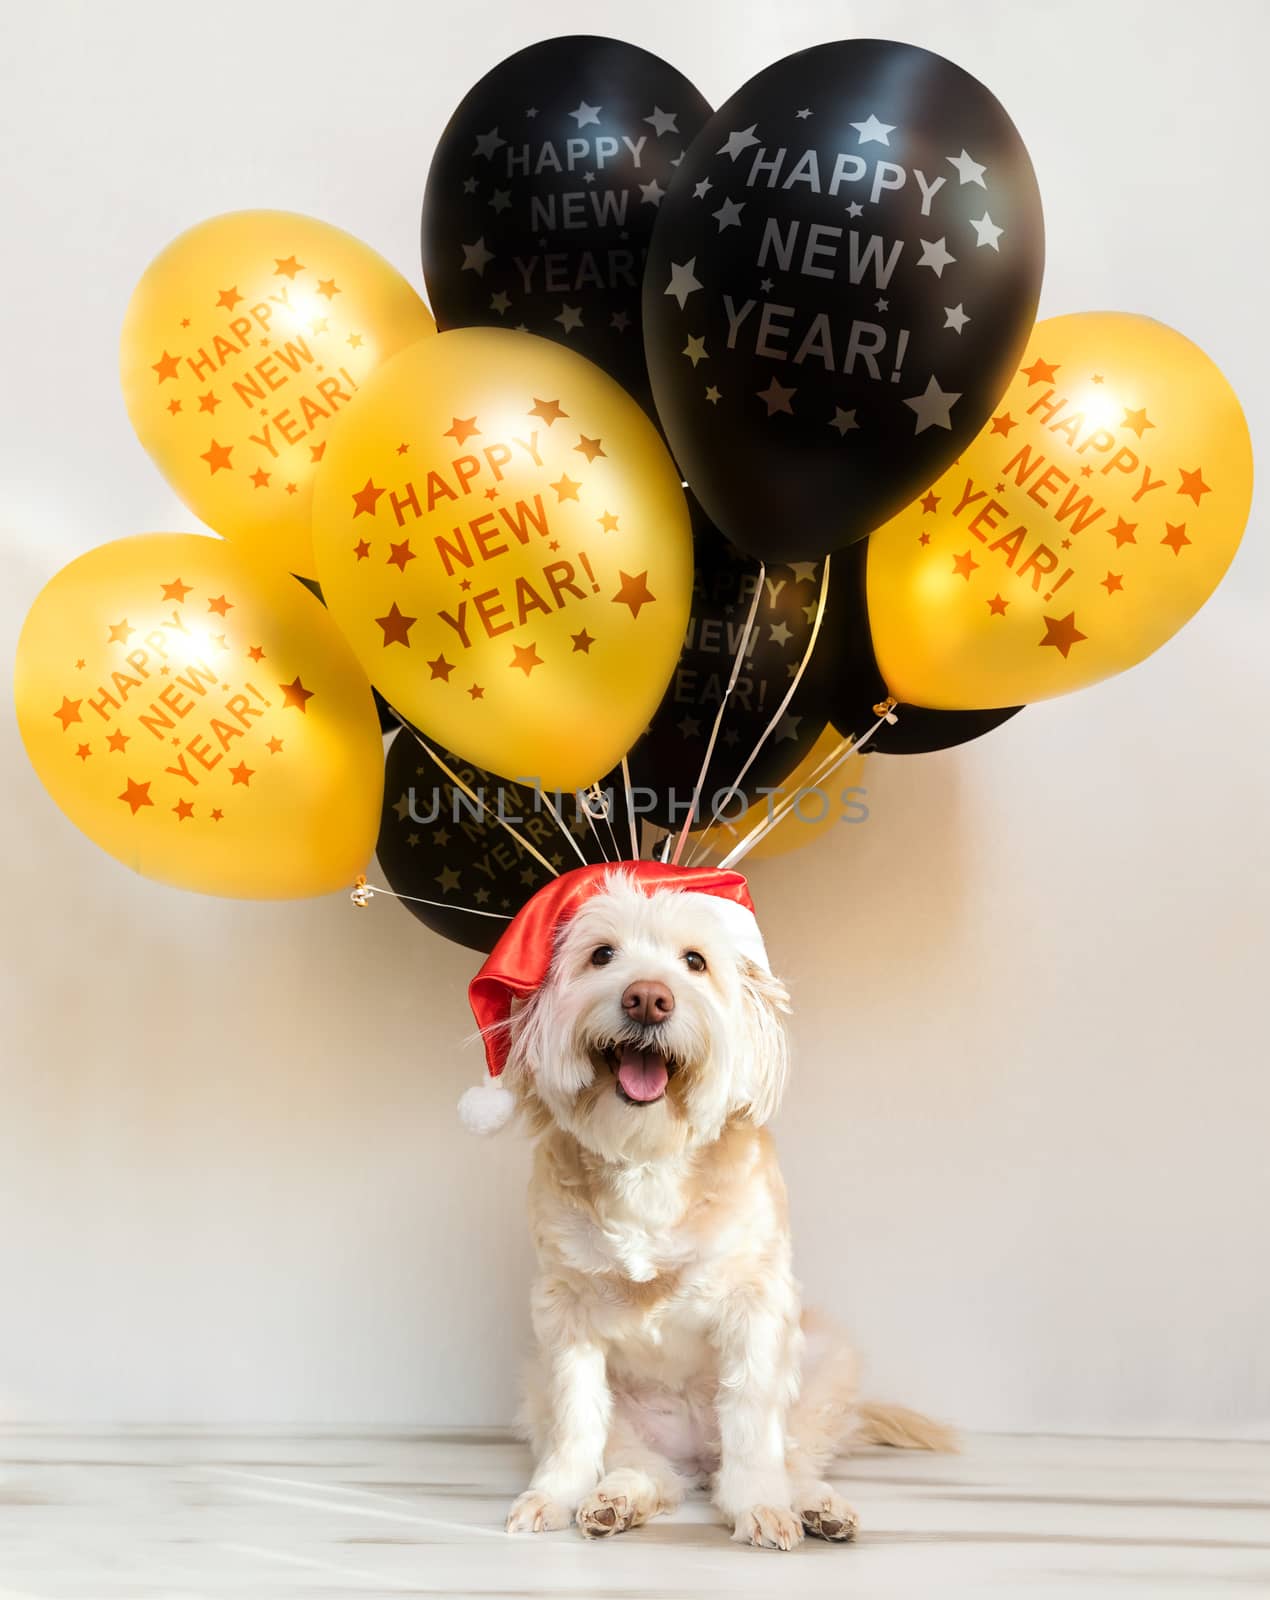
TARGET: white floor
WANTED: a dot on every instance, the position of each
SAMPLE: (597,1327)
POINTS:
(197,1516)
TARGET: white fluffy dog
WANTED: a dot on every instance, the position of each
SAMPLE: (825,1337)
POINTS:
(671,1341)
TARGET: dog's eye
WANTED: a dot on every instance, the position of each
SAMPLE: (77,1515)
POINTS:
(602,955)
(695,960)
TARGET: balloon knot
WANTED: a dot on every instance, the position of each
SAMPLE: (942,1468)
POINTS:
(886,709)
(362,892)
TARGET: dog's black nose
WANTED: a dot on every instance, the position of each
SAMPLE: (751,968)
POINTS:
(648,1002)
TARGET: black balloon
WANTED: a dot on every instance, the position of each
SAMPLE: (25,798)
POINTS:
(436,845)
(666,763)
(838,290)
(854,686)
(543,192)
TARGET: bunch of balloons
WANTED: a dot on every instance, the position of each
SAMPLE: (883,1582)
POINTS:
(738,449)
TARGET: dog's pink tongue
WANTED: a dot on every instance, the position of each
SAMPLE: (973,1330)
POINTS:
(642,1074)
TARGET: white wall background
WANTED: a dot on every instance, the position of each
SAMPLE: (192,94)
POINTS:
(1027,1139)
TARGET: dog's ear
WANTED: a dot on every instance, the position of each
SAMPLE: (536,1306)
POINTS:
(766,1005)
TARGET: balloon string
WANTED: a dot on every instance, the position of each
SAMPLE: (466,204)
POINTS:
(826,769)
(602,800)
(566,830)
(363,893)
(583,802)
(718,716)
(780,709)
(630,808)
(459,784)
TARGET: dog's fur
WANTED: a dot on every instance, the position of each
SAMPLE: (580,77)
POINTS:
(671,1344)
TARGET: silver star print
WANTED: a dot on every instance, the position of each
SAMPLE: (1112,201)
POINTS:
(480,896)
(804,571)
(871,131)
(986,231)
(683,280)
(777,398)
(855,209)
(500,302)
(787,727)
(935,255)
(469,186)
(881,303)
(585,114)
(780,633)
(689,727)
(500,199)
(844,421)
(487,143)
(476,257)
(620,321)
(662,121)
(570,317)
(766,285)
(729,214)
(933,407)
(702,189)
(651,194)
(737,142)
(968,171)
(955,317)
(803,114)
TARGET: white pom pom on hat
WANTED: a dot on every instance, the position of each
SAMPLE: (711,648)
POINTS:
(486,1107)
(519,962)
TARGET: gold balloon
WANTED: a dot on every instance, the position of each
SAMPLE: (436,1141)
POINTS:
(244,342)
(1093,516)
(502,536)
(820,805)
(199,716)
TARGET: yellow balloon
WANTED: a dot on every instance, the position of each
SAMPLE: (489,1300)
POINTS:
(198,715)
(1093,516)
(244,342)
(502,536)
(820,805)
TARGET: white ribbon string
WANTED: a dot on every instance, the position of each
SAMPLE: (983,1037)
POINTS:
(459,784)
(583,803)
(827,765)
(825,770)
(781,708)
(565,829)
(602,800)
(630,809)
(362,894)
(718,716)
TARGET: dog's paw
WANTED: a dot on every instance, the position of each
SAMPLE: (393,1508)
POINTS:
(535,1512)
(624,1499)
(601,1514)
(828,1516)
(768,1528)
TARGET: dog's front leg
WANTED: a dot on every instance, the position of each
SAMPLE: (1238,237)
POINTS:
(758,1379)
(574,1415)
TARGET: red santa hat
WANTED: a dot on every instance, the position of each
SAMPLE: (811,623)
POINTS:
(519,962)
